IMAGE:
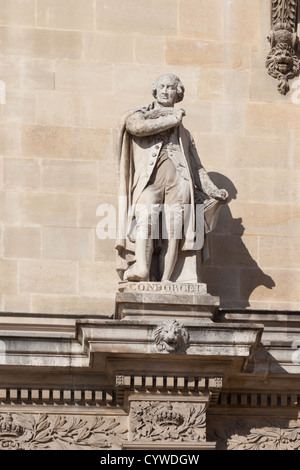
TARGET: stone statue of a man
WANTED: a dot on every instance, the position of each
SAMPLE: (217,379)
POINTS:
(160,173)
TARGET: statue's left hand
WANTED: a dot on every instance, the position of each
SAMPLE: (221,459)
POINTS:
(221,195)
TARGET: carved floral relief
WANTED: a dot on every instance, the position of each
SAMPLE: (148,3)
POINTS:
(58,432)
(266,435)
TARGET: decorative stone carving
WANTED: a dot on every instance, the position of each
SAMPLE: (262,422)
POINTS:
(171,337)
(264,435)
(282,62)
(170,421)
(42,432)
(10,432)
(167,200)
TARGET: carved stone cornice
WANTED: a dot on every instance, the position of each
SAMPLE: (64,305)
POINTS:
(282,62)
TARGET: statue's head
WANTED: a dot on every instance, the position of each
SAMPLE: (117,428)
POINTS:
(168,89)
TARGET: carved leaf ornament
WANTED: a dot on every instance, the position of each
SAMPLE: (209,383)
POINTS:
(284,11)
(282,62)
(265,436)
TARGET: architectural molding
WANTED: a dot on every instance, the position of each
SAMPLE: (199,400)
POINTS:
(184,301)
(259,400)
(167,421)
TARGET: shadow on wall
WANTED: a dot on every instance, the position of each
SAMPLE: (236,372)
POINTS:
(230,272)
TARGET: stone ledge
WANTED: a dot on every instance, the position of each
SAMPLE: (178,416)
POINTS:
(36,325)
(86,338)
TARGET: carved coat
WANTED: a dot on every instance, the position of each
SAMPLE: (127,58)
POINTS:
(136,159)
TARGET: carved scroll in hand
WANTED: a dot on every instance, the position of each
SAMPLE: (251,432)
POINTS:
(282,62)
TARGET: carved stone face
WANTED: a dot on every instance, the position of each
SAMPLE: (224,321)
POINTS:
(171,337)
(283,61)
(166,91)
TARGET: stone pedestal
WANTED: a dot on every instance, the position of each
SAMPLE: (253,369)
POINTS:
(156,301)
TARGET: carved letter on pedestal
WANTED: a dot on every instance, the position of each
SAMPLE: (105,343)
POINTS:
(282,62)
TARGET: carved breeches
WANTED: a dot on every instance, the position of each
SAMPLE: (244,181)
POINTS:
(167,193)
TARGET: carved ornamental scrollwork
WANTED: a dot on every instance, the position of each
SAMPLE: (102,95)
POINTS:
(170,421)
(45,432)
(282,62)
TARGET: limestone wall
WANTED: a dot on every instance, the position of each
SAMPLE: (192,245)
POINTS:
(70,68)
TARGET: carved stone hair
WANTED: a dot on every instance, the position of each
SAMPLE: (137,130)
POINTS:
(180,87)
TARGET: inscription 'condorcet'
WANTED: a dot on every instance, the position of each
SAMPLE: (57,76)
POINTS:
(181,288)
